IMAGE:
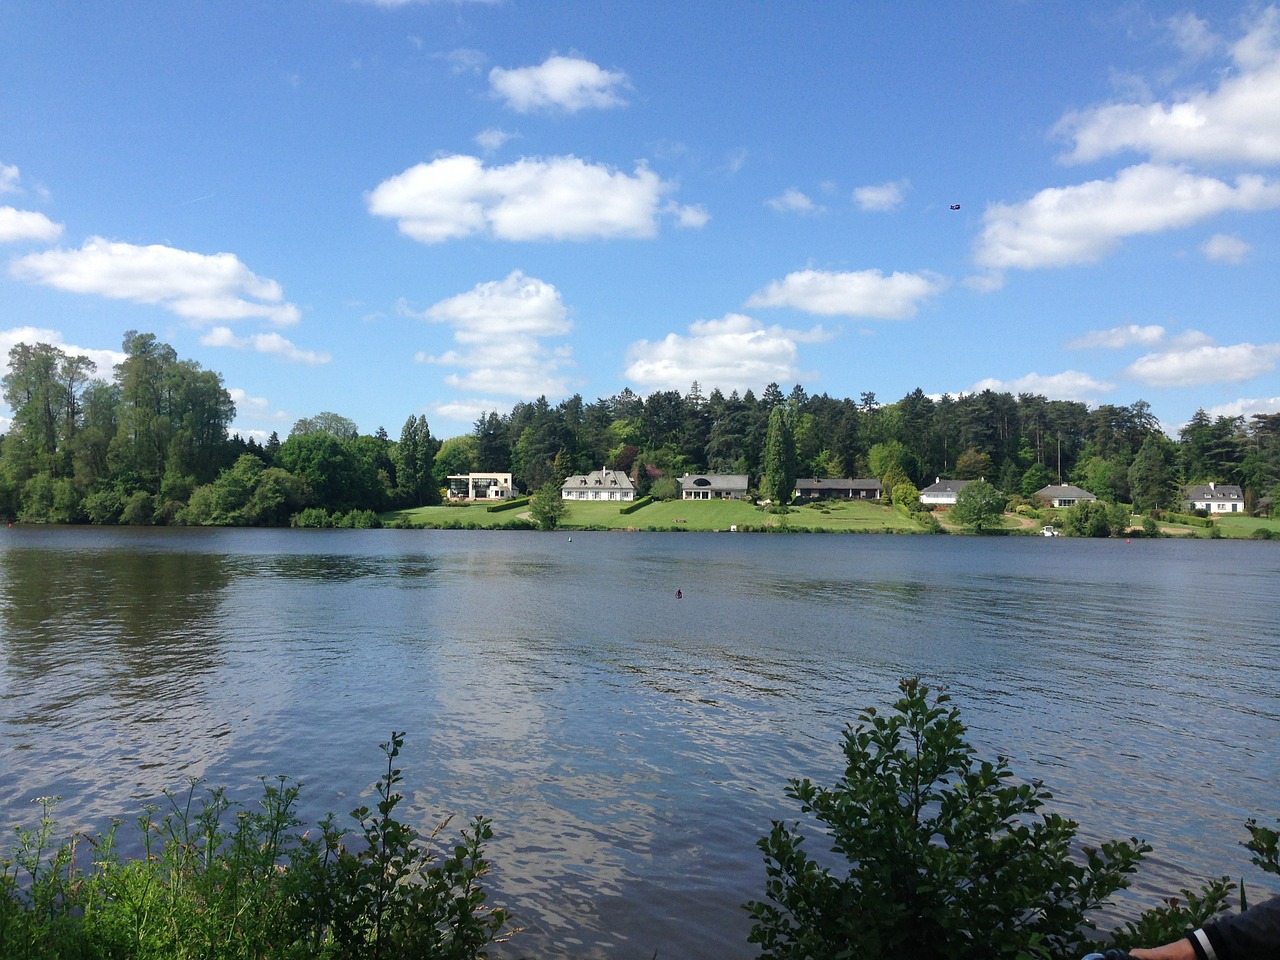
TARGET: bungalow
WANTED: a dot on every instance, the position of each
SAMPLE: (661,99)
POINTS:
(713,486)
(599,484)
(816,488)
(1062,495)
(481,486)
(1213,497)
(942,493)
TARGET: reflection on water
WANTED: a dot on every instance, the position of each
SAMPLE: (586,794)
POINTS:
(631,747)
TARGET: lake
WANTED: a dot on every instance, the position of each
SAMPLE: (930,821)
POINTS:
(631,747)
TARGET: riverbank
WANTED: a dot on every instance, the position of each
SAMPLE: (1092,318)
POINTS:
(828,516)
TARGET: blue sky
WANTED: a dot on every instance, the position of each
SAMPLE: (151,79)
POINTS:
(391,208)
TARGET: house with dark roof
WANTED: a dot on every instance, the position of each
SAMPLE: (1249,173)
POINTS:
(713,486)
(599,484)
(1063,495)
(1214,497)
(820,488)
(942,493)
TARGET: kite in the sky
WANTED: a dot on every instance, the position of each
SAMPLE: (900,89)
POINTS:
(955,206)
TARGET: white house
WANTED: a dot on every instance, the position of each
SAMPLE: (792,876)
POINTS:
(713,486)
(942,493)
(1214,497)
(817,488)
(599,484)
(481,486)
(1063,495)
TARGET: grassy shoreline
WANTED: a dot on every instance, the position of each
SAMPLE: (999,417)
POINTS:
(714,516)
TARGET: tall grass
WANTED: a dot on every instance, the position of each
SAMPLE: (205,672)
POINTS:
(220,881)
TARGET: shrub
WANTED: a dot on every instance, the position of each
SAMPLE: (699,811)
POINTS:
(1261,533)
(947,856)
(514,503)
(222,882)
(313,517)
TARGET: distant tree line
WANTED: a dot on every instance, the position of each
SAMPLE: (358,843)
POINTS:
(152,445)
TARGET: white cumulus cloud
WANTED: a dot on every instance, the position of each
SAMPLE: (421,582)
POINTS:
(559,83)
(862,293)
(793,201)
(1225,248)
(203,288)
(1245,407)
(1068,385)
(9,177)
(558,198)
(1119,337)
(272,343)
(498,331)
(1083,223)
(18,225)
(732,353)
(1199,365)
(1236,121)
(881,197)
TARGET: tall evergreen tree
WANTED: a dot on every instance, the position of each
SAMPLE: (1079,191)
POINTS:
(778,481)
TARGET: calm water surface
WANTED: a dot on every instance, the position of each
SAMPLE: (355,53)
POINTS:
(631,747)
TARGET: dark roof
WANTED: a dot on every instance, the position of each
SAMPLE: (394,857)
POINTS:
(946,486)
(1064,491)
(1213,491)
(823,483)
(715,481)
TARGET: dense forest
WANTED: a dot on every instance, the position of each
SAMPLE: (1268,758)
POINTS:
(153,445)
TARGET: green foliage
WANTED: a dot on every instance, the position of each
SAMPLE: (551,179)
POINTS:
(665,488)
(1095,518)
(973,465)
(945,855)
(312,518)
(906,495)
(219,881)
(1150,528)
(1264,844)
(1036,477)
(979,506)
(513,503)
(778,471)
(1175,917)
(547,506)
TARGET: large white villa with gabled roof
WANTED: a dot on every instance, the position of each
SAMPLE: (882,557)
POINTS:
(602,484)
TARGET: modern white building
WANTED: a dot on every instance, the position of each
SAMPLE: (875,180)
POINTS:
(481,486)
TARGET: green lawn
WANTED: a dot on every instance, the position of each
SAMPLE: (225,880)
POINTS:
(1237,527)
(846,516)
(828,516)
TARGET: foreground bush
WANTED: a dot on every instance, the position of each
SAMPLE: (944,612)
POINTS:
(943,855)
(219,881)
